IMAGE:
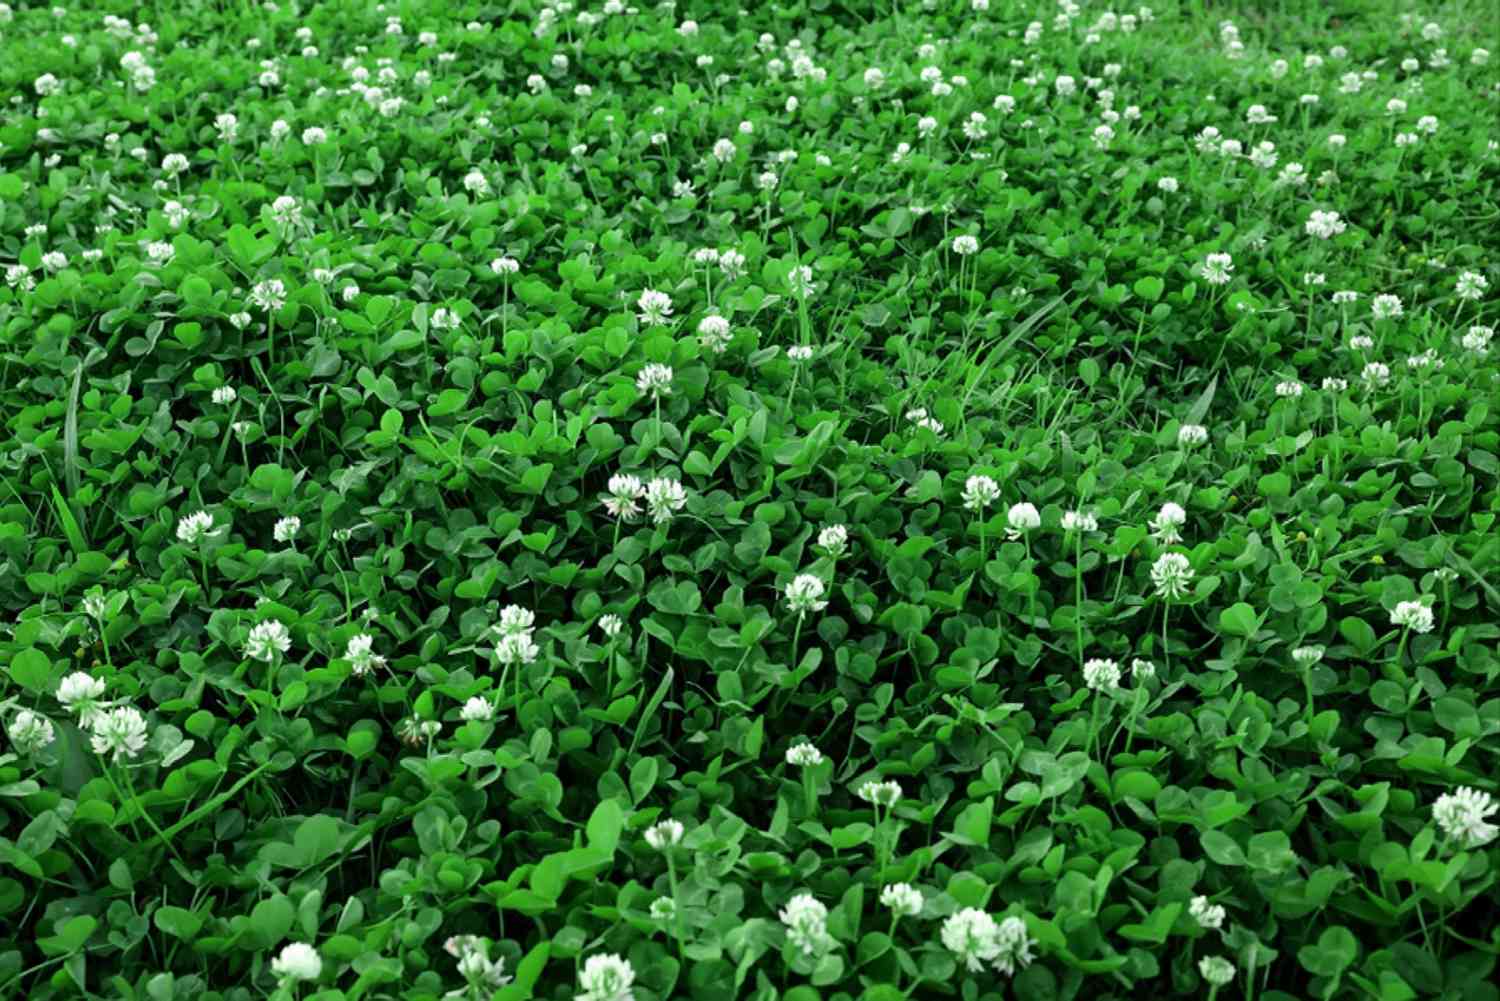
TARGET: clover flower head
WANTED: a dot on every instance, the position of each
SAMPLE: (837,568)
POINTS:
(1413,615)
(267,640)
(1461,816)
(1210,916)
(804,755)
(806,921)
(606,978)
(979,491)
(30,731)
(298,961)
(664,497)
(880,793)
(664,835)
(903,899)
(120,732)
(1101,674)
(1171,574)
(805,593)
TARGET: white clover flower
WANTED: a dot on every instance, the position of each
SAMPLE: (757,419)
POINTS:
(54,260)
(1324,225)
(1168,520)
(799,352)
(1080,521)
(1210,916)
(1101,674)
(477,710)
(79,694)
(664,835)
(880,793)
(606,978)
(724,150)
(269,295)
(223,395)
(979,491)
(1461,817)
(806,922)
(903,899)
(1191,434)
(624,492)
(1333,384)
(1290,389)
(1376,373)
(655,307)
(654,380)
(834,539)
(30,731)
(298,961)
(664,497)
(804,594)
(1023,517)
(195,528)
(1217,970)
(1171,574)
(804,755)
(732,263)
(1384,307)
(360,653)
(1470,286)
(1013,945)
(874,78)
(1307,656)
(1216,269)
(1477,339)
(611,625)
(516,649)
(267,639)
(800,282)
(1413,615)
(516,621)
(965,245)
(286,529)
(663,909)
(120,732)
(1142,670)
(970,934)
(505,266)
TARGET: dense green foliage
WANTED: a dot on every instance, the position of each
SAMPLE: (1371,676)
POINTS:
(1156,655)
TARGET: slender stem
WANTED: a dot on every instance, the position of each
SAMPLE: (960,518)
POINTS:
(1078,593)
(676,908)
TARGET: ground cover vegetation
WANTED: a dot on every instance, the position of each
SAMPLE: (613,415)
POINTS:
(825,500)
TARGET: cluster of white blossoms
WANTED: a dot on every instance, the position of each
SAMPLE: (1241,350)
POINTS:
(606,977)
(1413,615)
(475,965)
(1462,817)
(516,647)
(1208,915)
(664,835)
(1171,574)
(1101,674)
(663,497)
(806,922)
(361,655)
(268,640)
(804,593)
(976,938)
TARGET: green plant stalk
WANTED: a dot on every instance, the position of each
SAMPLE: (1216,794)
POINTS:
(809,792)
(1078,593)
(676,908)
(1166,654)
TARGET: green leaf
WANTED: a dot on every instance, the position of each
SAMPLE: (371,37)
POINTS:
(1239,619)
(177,922)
